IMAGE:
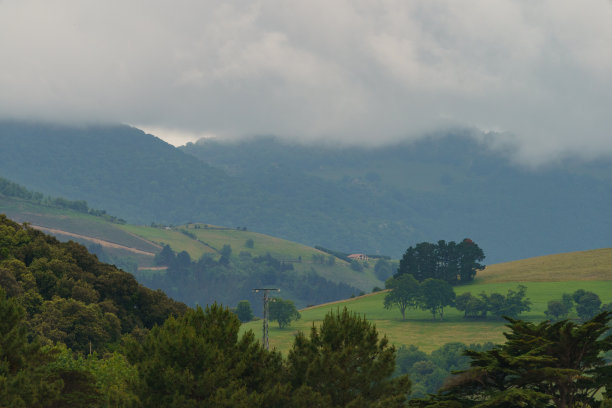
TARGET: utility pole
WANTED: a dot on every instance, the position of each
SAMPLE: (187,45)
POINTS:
(266,300)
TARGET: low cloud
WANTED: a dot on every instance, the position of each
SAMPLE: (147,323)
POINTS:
(349,71)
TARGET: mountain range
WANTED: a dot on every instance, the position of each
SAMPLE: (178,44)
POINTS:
(376,200)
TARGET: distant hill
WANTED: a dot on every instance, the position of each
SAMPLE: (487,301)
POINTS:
(306,275)
(360,199)
(443,187)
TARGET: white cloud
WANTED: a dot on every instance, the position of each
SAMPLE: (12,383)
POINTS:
(352,71)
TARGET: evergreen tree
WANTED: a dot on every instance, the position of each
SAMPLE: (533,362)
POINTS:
(244,311)
(199,360)
(345,364)
(540,365)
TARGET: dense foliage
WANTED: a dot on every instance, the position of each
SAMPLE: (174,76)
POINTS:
(200,360)
(431,294)
(448,261)
(429,371)
(346,363)
(514,303)
(540,365)
(231,279)
(71,297)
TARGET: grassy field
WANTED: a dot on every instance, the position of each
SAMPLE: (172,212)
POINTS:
(73,222)
(197,241)
(213,238)
(589,265)
(176,239)
(420,330)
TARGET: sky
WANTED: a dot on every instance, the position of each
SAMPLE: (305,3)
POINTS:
(535,74)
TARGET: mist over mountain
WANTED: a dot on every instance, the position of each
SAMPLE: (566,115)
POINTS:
(354,199)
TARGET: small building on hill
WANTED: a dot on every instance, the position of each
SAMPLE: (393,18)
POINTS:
(358,257)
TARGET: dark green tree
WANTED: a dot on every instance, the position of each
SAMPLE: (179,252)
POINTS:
(471,306)
(346,364)
(405,293)
(166,257)
(283,311)
(511,305)
(225,252)
(419,261)
(199,360)
(470,256)
(244,311)
(540,365)
(436,294)
(588,304)
(556,310)
(449,261)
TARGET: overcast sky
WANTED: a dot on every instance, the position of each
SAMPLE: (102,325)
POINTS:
(537,71)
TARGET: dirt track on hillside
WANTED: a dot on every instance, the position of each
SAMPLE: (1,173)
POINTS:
(102,242)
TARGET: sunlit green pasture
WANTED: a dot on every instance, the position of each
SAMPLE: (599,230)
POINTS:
(421,330)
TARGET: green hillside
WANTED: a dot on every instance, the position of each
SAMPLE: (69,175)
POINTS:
(588,270)
(307,275)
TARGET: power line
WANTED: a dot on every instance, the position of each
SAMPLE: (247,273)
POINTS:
(266,300)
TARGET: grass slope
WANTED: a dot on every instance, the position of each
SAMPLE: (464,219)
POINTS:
(428,335)
(588,265)
(196,242)
(72,222)
(209,239)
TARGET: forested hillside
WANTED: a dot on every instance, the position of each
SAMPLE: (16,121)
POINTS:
(447,186)
(197,264)
(69,296)
(358,199)
(75,332)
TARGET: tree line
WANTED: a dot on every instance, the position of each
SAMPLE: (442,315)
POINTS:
(229,279)
(10,189)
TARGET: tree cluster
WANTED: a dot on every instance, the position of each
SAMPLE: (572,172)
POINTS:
(206,280)
(587,304)
(407,293)
(498,305)
(448,261)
